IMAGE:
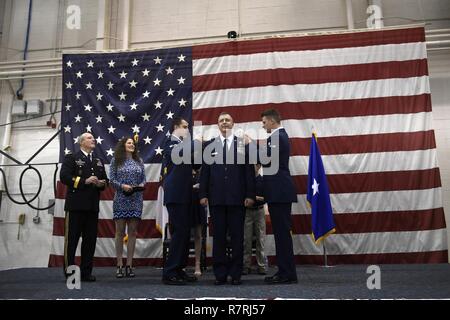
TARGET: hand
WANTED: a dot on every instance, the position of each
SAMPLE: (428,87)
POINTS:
(204,201)
(247,139)
(127,188)
(258,198)
(100,183)
(262,142)
(248,202)
(91,180)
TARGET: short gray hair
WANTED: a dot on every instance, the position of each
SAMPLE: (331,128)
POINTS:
(83,136)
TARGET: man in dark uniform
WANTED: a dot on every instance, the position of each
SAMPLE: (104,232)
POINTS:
(177,185)
(279,193)
(85,177)
(227,185)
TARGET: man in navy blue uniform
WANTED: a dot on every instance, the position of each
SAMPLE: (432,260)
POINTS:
(85,177)
(227,185)
(177,185)
(279,193)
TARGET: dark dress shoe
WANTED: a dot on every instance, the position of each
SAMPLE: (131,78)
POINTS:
(175,281)
(236,282)
(277,279)
(262,271)
(246,271)
(89,278)
(220,282)
(187,277)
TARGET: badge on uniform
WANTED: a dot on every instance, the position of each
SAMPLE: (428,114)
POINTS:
(99,163)
(80,162)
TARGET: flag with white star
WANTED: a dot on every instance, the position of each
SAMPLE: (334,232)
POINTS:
(122,94)
(318,196)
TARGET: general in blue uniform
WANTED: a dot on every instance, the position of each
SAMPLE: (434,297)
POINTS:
(227,184)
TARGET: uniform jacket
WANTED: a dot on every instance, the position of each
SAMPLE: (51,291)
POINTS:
(75,169)
(176,178)
(223,183)
(279,187)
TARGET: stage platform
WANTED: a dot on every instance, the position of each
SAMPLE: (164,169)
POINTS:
(410,281)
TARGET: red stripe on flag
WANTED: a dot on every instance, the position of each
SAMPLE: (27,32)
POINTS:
(321,110)
(150,192)
(383,142)
(357,39)
(311,75)
(387,258)
(106,228)
(362,222)
(376,258)
(58,261)
(376,181)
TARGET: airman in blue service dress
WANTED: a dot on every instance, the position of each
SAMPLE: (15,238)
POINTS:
(82,208)
(226,184)
(279,193)
(177,185)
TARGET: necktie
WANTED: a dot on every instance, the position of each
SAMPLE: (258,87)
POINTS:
(225,149)
(90,157)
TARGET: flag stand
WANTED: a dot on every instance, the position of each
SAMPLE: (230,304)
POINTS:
(325,255)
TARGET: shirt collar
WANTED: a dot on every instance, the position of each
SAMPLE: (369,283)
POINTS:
(176,138)
(273,131)
(85,153)
(229,139)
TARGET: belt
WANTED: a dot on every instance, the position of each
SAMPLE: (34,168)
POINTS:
(256,208)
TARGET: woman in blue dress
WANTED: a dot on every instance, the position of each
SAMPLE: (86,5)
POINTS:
(126,173)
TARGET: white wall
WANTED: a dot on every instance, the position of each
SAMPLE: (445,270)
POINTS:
(158,23)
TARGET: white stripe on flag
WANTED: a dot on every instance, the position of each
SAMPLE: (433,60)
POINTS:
(369,162)
(360,202)
(310,58)
(351,126)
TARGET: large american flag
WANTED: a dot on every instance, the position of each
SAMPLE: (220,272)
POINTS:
(366,95)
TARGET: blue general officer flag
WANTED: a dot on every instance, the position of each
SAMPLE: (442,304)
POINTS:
(318,196)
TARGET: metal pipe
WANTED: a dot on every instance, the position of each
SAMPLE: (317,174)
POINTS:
(126,24)
(349,10)
(6,140)
(29,61)
(26,72)
(103,18)
(32,76)
(437,42)
(35,65)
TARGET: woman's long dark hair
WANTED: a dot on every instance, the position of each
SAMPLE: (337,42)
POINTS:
(120,153)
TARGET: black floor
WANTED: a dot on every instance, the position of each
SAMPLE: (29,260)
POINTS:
(315,282)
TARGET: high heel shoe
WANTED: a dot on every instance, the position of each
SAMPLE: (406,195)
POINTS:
(129,272)
(119,272)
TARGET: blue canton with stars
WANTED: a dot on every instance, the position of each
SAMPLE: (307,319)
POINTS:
(113,95)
